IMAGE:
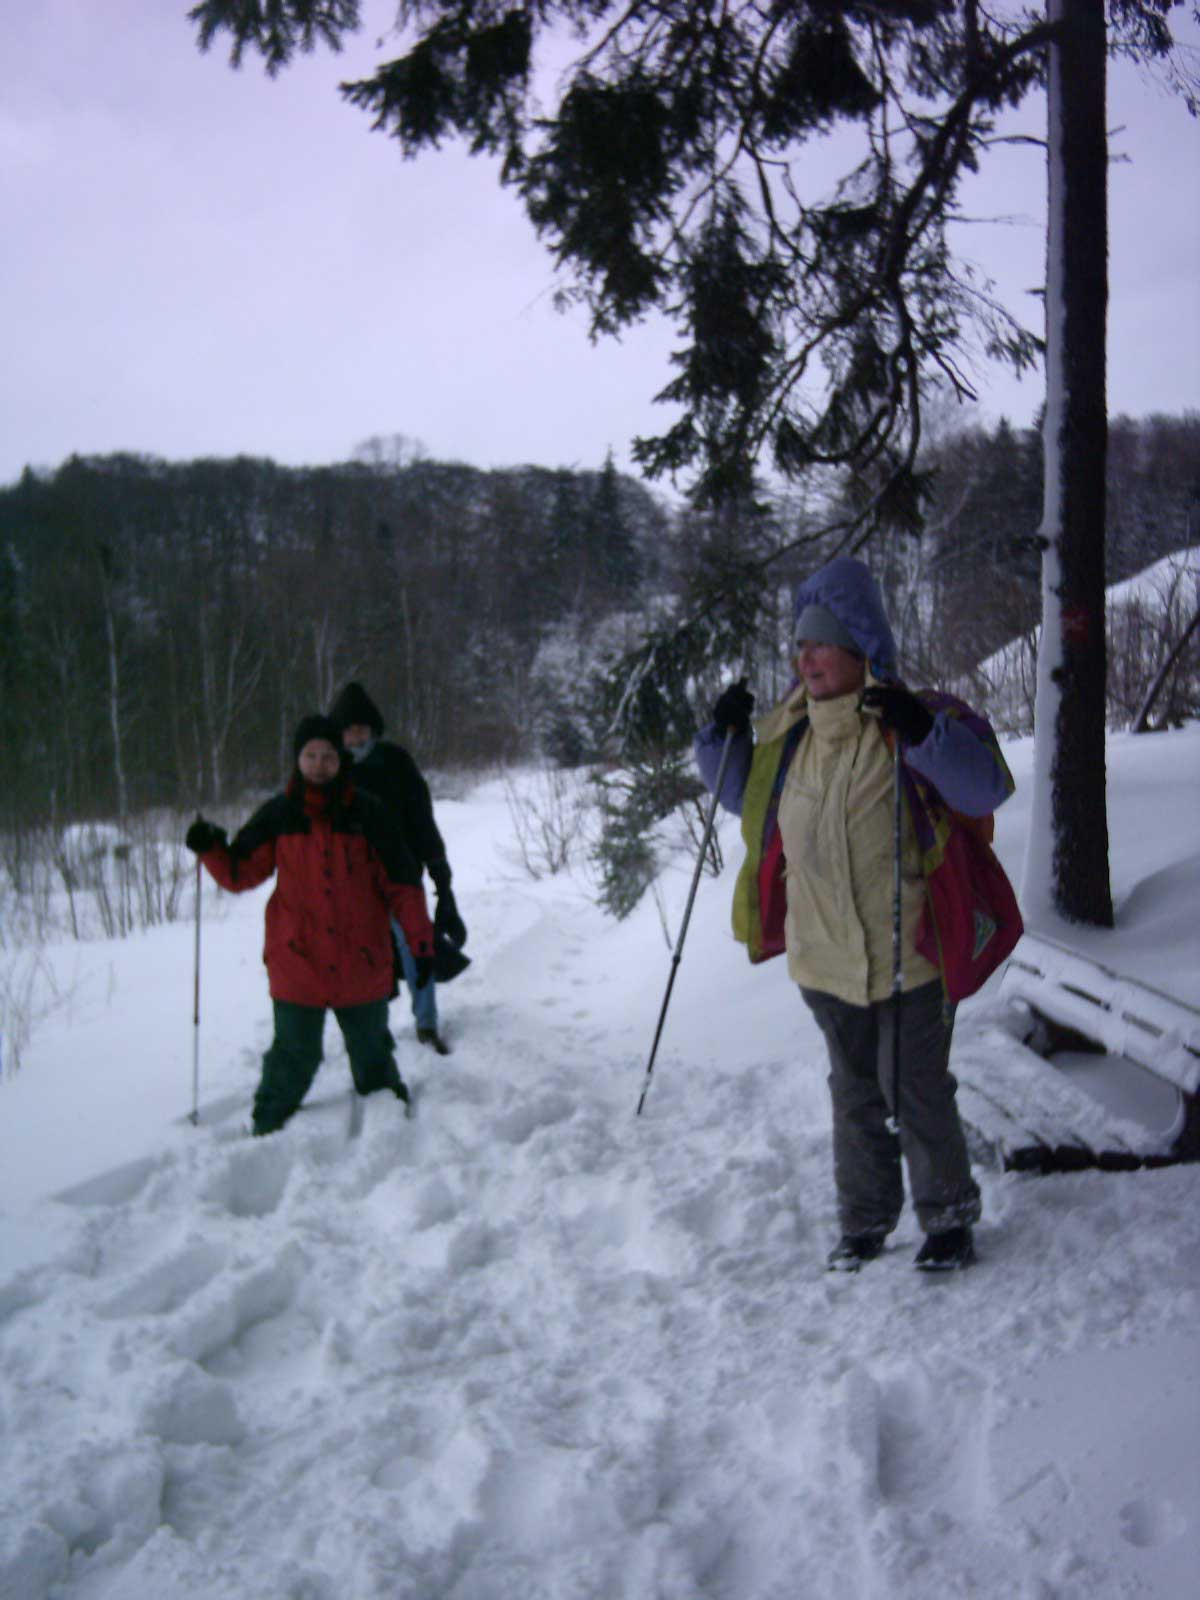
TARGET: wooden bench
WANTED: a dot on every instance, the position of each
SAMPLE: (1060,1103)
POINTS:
(1032,1119)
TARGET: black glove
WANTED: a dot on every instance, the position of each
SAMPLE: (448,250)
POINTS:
(448,960)
(732,710)
(439,871)
(203,836)
(900,710)
(447,920)
(424,966)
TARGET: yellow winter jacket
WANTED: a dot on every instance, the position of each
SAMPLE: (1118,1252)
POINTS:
(836,820)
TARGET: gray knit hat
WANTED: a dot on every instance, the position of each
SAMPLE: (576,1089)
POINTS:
(818,625)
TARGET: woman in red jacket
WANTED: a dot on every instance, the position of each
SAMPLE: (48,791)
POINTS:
(341,872)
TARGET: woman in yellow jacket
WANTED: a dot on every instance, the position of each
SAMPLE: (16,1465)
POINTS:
(814,789)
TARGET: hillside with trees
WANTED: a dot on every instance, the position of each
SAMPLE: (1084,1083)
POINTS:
(166,623)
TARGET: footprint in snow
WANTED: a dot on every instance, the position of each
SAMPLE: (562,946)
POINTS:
(1146,1522)
(114,1498)
(523,1121)
(921,1437)
(433,1204)
(185,1405)
(474,1246)
(252,1179)
(410,1437)
(219,1326)
(168,1284)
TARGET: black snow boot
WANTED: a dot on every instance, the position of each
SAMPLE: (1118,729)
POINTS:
(946,1252)
(434,1040)
(854,1249)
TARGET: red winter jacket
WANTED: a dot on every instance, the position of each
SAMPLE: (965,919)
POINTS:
(341,873)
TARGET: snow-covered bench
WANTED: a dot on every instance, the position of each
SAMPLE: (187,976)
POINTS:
(1036,1119)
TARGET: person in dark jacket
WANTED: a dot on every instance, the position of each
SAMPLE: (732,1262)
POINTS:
(814,786)
(386,770)
(342,873)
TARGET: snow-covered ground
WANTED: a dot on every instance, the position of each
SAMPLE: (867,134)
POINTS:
(530,1347)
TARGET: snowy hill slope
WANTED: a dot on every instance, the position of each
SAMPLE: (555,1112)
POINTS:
(1006,680)
(530,1347)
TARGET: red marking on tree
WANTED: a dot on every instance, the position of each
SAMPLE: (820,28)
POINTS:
(1076,624)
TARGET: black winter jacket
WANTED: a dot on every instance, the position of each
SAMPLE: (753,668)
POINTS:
(391,774)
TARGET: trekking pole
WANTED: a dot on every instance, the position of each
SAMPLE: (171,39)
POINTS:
(897,933)
(195,1116)
(683,928)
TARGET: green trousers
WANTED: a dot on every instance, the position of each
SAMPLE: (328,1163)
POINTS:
(290,1065)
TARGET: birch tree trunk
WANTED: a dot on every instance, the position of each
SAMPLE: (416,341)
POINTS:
(228,682)
(114,685)
(1066,864)
(326,642)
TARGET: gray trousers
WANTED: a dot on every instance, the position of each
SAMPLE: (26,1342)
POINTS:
(866,1154)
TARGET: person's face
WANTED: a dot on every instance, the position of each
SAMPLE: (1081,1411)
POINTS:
(829,671)
(356,735)
(318,762)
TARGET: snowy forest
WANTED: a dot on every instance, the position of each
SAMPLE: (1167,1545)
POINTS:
(166,623)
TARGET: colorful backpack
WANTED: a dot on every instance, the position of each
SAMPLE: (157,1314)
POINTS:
(971,920)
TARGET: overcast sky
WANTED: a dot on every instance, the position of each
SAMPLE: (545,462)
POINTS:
(202,262)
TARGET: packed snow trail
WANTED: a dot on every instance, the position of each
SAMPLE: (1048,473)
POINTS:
(527,1346)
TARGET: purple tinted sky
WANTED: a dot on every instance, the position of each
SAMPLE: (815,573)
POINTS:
(201,262)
